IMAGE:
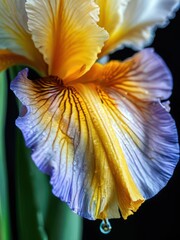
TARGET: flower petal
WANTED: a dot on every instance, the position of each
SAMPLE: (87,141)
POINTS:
(72,139)
(67,35)
(103,149)
(8,59)
(145,130)
(111,18)
(144,76)
(111,14)
(148,137)
(14,34)
(137,25)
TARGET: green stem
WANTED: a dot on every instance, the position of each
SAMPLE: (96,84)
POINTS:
(5,232)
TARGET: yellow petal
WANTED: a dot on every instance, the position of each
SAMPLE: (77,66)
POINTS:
(111,14)
(8,59)
(14,34)
(103,146)
(111,18)
(67,35)
(131,93)
(73,140)
(118,180)
(132,22)
(143,76)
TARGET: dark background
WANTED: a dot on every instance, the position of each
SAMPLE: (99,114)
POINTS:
(159,217)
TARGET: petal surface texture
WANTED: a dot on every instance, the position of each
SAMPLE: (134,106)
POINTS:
(14,32)
(104,147)
(67,35)
(133,22)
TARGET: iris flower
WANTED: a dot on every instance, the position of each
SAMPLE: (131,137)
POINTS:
(103,132)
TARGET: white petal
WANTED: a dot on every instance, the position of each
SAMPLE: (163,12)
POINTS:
(140,20)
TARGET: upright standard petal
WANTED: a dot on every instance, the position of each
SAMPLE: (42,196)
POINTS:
(111,14)
(14,34)
(67,35)
(104,147)
(138,19)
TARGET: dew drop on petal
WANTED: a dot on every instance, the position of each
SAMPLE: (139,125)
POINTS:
(105,226)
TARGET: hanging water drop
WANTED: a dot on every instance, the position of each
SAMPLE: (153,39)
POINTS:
(105,226)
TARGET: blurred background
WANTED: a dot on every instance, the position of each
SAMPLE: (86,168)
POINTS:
(157,218)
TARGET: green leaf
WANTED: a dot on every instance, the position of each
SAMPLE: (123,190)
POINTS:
(4,200)
(31,189)
(62,223)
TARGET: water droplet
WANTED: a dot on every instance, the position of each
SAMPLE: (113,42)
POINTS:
(105,226)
